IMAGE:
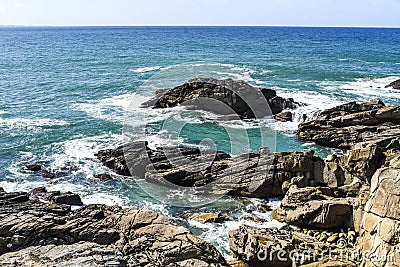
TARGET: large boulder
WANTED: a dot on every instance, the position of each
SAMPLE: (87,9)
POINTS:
(53,234)
(239,97)
(316,208)
(346,125)
(258,175)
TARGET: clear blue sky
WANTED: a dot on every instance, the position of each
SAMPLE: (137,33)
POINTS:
(201,12)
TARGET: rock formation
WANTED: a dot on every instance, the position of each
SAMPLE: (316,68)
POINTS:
(394,85)
(258,175)
(380,234)
(350,124)
(240,98)
(35,233)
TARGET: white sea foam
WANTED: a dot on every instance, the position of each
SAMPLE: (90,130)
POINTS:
(106,199)
(30,124)
(110,109)
(218,233)
(363,89)
(146,69)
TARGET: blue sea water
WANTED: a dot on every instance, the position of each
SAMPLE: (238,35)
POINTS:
(64,93)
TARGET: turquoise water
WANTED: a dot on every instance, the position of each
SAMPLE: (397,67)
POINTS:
(64,93)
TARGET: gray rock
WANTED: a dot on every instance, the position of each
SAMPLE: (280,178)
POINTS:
(240,97)
(259,175)
(349,124)
(394,85)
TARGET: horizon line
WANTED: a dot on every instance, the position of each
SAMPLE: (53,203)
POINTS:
(193,25)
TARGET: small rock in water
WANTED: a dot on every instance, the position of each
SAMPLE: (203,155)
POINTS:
(207,217)
(104,177)
(33,167)
(284,116)
(48,174)
(264,208)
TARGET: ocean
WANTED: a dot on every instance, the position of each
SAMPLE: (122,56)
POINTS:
(65,92)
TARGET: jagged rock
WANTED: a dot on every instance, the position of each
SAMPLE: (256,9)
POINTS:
(143,238)
(258,247)
(242,98)
(258,175)
(346,125)
(309,206)
(207,217)
(380,234)
(394,85)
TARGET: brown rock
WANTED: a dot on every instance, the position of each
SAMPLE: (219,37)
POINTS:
(53,235)
(284,116)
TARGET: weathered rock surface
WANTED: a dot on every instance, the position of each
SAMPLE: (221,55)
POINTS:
(350,124)
(259,247)
(258,175)
(310,207)
(83,254)
(284,116)
(51,234)
(380,235)
(394,85)
(240,97)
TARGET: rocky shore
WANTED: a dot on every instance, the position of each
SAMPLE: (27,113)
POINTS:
(339,211)
(37,229)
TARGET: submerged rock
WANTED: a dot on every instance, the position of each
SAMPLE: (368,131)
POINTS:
(51,234)
(230,97)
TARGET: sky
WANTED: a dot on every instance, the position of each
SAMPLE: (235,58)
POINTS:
(362,13)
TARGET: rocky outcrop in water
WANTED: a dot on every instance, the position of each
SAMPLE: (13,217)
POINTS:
(241,98)
(350,124)
(258,175)
(36,233)
(394,85)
